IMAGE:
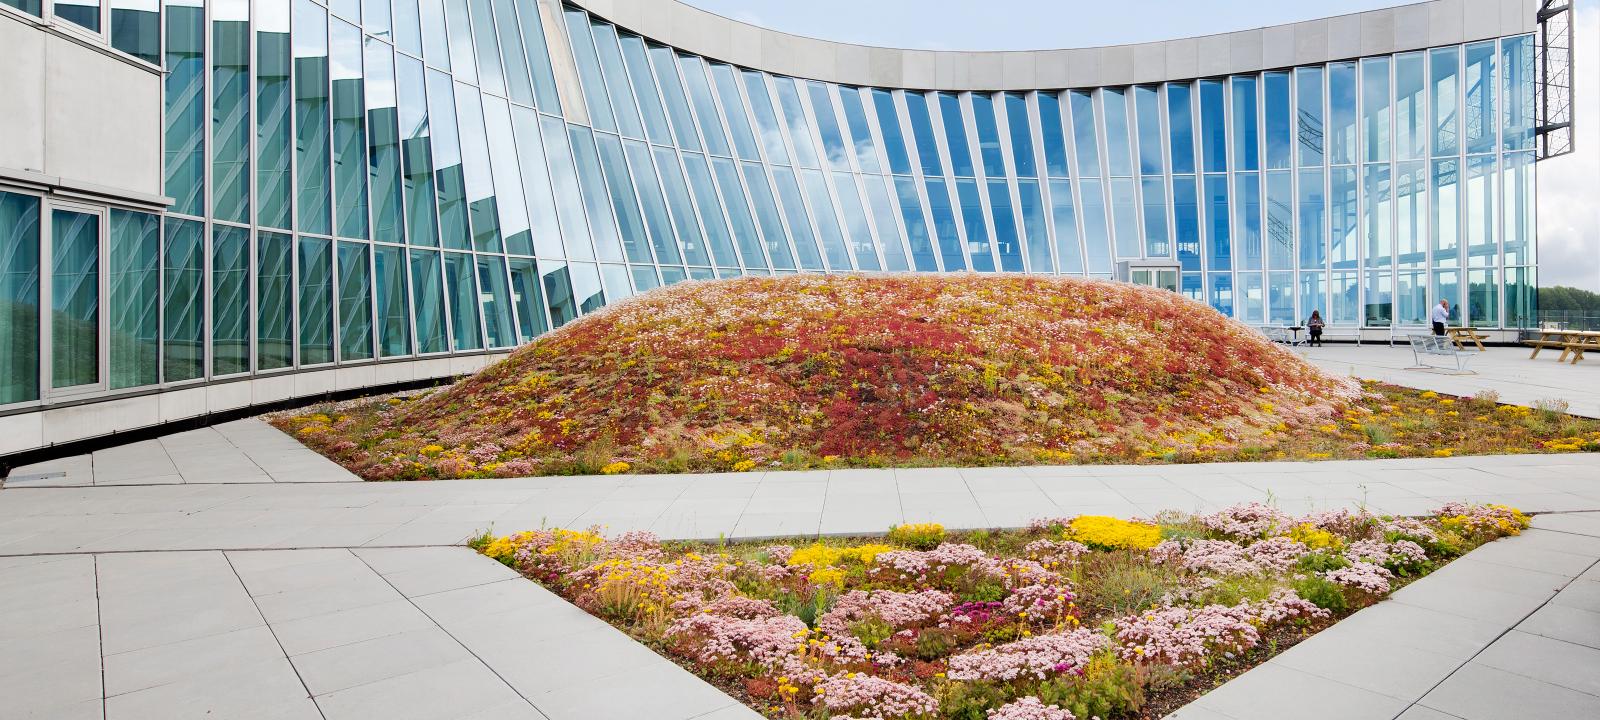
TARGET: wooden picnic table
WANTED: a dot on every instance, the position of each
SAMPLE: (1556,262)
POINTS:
(1462,335)
(1571,342)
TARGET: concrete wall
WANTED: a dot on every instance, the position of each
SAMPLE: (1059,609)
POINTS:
(75,116)
(1376,32)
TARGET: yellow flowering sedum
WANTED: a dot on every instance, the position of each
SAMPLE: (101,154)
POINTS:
(616,467)
(819,555)
(1313,537)
(1111,533)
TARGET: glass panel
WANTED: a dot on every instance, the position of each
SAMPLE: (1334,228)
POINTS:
(677,103)
(606,241)
(1410,108)
(394,322)
(1313,297)
(855,114)
(1346,289)
(955,134)
(1247,221)
(944,226)
(1483,298)
(1246,139)
(972,217)
(463,293)
(74,298)
(833,147)
(1154,195)
(733,199)
(994,164)
(1522,298)
(183,348)
(407,26)
(683,215)
(1313,219)
(1096,235)
(513,54)
(1442,73)
(1520,211)
(1125,217)
(644,90)
(1050,128)
(1377,211)
(314,196)
(496,300)
(529,300)
(1516,114)
(656,217)
(744,141)
(1006,243)
(1481,123)
(894,142)
(449,178)
(135,26)
(755,85)
(1213,129)
(509,201)
(705,198)
(766,209)
(461,58)
(427,300)
(31,7)
(623,200)
(1117,143)
(482,206)
(1308,113)
(1280,220)
(1083,133)
(1446,209)
(794,211)
(230,110)
(350,9)
(558,290)
(434,39)
(1411,198)
(827,222)
(316,301)
(922,133)
(1447,286)
(1375,109)
(185,106)
(230,300)
(84,13)
(1341,113)
(274,301)
(1218,239)
(883,217)
(855,221)
(355,302)
(544,79)
(1035,227)
(644,278)
(616,282)
(1411,298)
(1481,249)
(1249,297)
(1379,308)
(588,62)
(1186,221)
(375,16)
(794,115)
(273,139)
(917,236)
(569,199)
(1344,238)
(383,144)
(705,108)
(586,289)
(416,154)
(1221,292)
(1180,126)
(133,304)
(536,187)
(1147,108)
(1279,126)
(349,136)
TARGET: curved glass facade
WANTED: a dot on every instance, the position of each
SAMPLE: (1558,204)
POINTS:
(361,181)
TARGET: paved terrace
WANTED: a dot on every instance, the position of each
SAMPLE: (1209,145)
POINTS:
(1505,370)
(230,572)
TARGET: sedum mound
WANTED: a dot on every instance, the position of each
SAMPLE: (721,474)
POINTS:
(808,370)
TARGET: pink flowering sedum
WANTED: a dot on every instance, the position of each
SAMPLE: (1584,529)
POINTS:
(720,638)
(867,696)
(1363,576)
(1030,708)
(897,609)
(1247,521)
(1038,657)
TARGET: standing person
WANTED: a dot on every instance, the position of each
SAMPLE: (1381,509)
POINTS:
(1314,326)
(1440,316)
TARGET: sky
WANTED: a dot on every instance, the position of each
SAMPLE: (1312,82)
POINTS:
(1569,186)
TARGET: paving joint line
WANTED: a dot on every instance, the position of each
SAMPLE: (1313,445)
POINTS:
(100,631)
(452,635)
(273,631)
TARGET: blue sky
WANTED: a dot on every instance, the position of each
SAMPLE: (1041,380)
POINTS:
(1569,202)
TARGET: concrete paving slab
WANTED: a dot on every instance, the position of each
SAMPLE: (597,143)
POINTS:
(1480,692)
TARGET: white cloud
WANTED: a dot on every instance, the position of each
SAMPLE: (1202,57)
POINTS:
(1569,187)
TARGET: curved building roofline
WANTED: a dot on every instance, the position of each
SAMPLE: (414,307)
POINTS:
(1374,32)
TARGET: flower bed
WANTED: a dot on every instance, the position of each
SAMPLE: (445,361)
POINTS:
(818,371)
(1072,617)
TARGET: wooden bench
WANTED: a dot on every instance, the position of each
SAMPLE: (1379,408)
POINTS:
(1429,346)
(1462,335)
(1573,343)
